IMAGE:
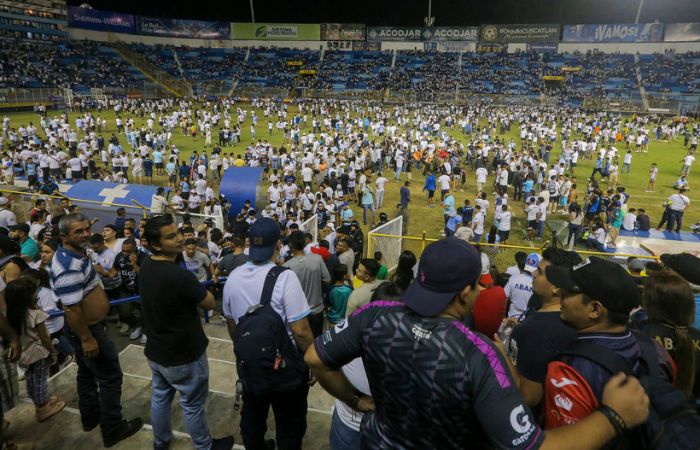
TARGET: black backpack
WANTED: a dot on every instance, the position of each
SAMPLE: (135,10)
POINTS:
(673,423)
(266,359)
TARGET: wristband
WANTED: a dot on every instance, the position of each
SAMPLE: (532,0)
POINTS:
(614,419)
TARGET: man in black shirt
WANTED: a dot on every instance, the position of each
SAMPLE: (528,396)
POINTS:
(126,263)
(540,336)
(176,345)
(435,383)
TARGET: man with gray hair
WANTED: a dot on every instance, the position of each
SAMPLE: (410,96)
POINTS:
(75,282)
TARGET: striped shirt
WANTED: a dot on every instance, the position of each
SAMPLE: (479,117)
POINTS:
(72,276)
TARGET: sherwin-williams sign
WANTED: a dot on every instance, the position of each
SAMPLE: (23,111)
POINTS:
(276,31)
(95,19)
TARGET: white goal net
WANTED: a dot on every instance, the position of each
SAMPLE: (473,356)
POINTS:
(387,239)
(311,226)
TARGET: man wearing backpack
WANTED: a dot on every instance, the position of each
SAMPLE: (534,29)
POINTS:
(265,308)
(597,298)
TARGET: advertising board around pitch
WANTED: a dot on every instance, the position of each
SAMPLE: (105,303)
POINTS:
(520,33)
(614,32)
(276,31)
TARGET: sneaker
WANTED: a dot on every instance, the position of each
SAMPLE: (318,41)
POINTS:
(224,443)
(143,339)
(135,334)
(124,329)
(126,429)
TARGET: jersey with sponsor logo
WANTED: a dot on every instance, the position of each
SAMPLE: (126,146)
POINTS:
(574,384)
(436,384)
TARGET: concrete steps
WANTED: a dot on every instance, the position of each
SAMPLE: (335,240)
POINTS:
(64,431)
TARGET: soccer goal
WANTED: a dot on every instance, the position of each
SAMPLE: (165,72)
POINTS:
(311,226)
(388,239)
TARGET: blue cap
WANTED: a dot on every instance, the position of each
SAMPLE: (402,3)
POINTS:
(445,268)
(264,234)
(532,261)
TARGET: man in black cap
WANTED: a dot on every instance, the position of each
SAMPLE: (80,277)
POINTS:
(243,290)
(688,267)
(436,383)
(597,297)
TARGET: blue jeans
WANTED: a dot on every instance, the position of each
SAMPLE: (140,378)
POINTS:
(191,381)
(342,436)
(364,213)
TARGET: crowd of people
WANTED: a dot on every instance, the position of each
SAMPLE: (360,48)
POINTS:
(370,337)
(425,74)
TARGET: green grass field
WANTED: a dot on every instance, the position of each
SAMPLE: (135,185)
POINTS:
(667,155)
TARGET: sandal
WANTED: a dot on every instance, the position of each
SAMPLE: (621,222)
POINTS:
(50,409)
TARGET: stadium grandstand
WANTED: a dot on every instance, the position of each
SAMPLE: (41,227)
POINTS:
(349,228)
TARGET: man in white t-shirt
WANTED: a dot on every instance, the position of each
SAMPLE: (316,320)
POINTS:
(481,174)
(478,223)
(677,203)
(242,290)
(519,287)
(688,161)
(504,224)
(380,182)
(630,220)
(444,183)
(273,193)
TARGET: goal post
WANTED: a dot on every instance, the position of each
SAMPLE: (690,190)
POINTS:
(311,226)
(388,239)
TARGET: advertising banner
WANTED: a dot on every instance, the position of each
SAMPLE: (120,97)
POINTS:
(343,32)
(364,45)
(682,32)
(339,45)
(94,19)
(491,47)
(198,29)
(448,46)
(520,33)
(543,48)
(276,31)
(621,32)
(451,34)
(378,34)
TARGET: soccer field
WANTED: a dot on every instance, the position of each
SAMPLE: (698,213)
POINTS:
(667,155)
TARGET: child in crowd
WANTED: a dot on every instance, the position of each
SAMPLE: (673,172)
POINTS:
(38,352)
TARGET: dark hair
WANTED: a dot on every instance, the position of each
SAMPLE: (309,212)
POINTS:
(130,241)
(20,299)
(388,290)
(324,243)
(668,301)
(297,240)
(403,276)
(187,230)
(96,239)
(371,266)
(340,272)
(190,241)
(378,256)
(561,257)
(520,258)
(151,231)
(51,243)
(216,235)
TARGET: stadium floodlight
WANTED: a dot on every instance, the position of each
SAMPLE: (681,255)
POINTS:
(639,11)
(429,20)
(252,12)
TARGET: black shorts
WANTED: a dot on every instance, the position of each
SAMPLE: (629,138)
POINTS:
(503,235)
(531,224)
(159,165)
(76,174)
(431,194)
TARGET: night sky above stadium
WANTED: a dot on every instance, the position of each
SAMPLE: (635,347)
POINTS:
(411,13)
